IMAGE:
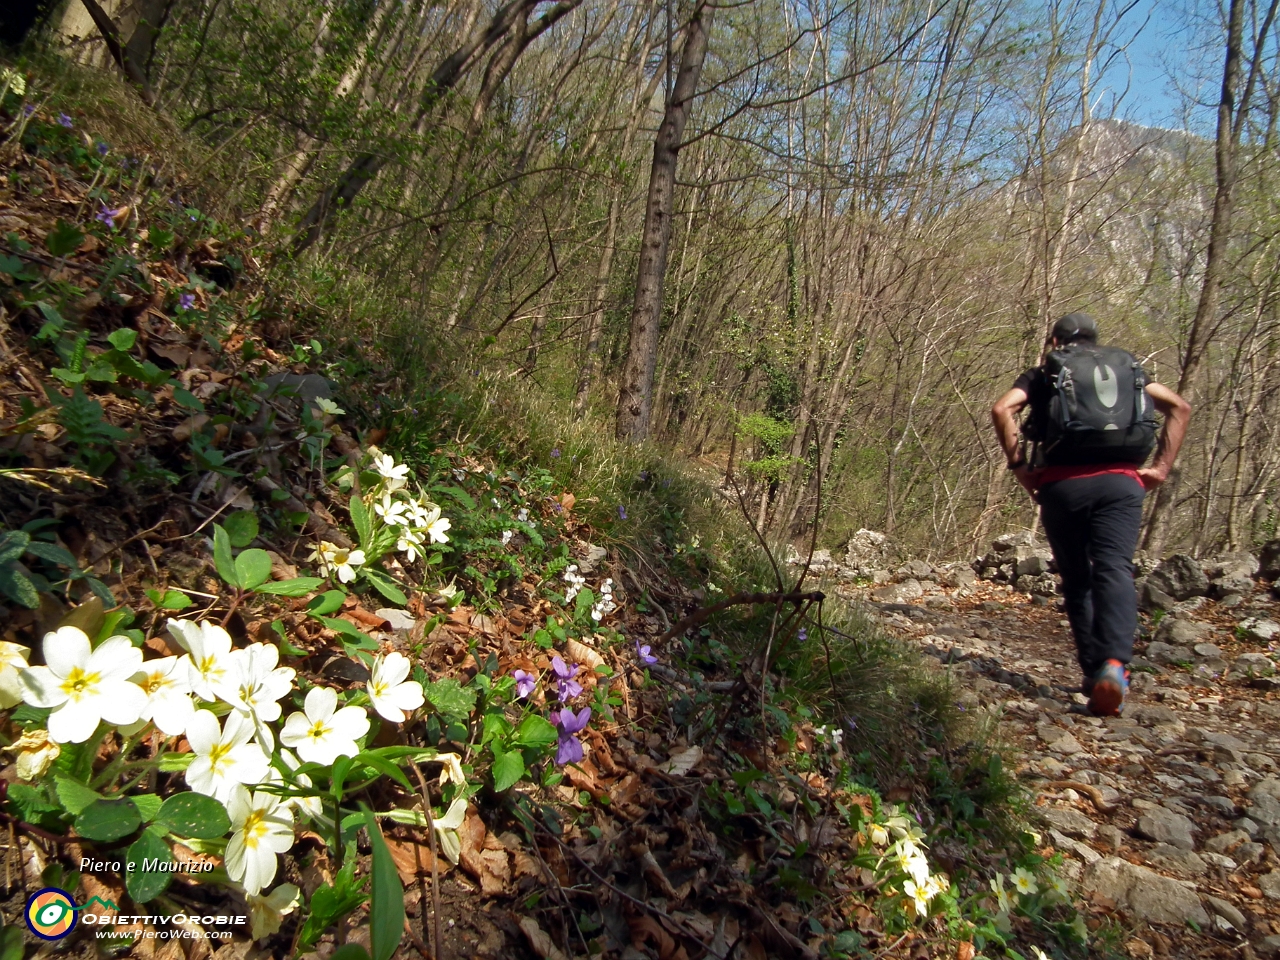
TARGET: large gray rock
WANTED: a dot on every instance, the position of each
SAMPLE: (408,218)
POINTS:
(1254,665)
(1181,577)
(1231,566)
(917,570)
(1269,884)
(1264,809)
(1007,541)
(1269,560)
(1260,629)
(1167,654)
(1143,893)
(869,550)
(1228,912)
(1179,862)
(898,592)
(1151,597)
(1180,632)
(1165,826)
(1070,821)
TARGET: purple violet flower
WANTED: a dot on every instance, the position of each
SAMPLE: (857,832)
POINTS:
(103,149)
(568,687)
(622,512)
(107,215)
(643,653)
(569,749)
(802,634)
(29,109)
(555,453)
(186,301)
(65,121)
(525,683)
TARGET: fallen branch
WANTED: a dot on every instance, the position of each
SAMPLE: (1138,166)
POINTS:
(700,615)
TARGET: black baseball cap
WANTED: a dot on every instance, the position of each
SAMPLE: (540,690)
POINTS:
(1075,326)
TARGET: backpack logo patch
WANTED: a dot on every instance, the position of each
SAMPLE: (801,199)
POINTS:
(1106,385)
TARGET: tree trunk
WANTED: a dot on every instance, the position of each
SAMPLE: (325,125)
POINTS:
(635,396)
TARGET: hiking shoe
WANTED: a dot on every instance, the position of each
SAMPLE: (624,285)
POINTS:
(1110,685)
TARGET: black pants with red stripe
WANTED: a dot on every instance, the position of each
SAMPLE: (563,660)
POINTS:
(1092,524)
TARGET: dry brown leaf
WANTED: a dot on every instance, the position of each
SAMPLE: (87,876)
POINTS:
(483,857)
(648,930)
(964,951)
(682,761)
(412,859)
(539,941)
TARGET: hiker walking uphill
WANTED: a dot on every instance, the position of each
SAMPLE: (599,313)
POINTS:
(1090,430)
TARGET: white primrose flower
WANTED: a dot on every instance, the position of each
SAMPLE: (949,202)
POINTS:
(13,660)
(333,559)
(167,685)
(451,772)
(394,513)
(36,753)
(410,544)
(920,894)
(878,835)
(911,861)
(1024,881)
(395,474)
(506,537)
(261,828)
(84,686)
(436,530)
(226,758)
(447,829)
(254,684)
(321,733)
(210,649)
(422,514)
(390,692)
(267,913)
(327,406)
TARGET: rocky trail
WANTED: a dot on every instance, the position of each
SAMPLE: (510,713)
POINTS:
(1168,816)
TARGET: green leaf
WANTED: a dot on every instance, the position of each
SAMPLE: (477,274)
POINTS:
(297,587)
(384,767)
(385,586)
(170,600)
(360,520)
(144,885)
(326,603)
(386,912)
(194,815)
(242,528)
(222,556)
(53,553)
(13,545)
(185,398)
(253,568)
(17,587)
(123,339)
(507,768)
(350,951)
(12,946)
(107,820)
(460,495)
(451,699)
(535,733)
(63,239)
(496,726)
(329,902)
(174,762)
(148,805)
(74,796)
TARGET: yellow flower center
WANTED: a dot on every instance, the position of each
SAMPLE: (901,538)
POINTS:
(79,683)
(208,665)
(340,557)
(254,829)
(218,754)
(380,688)
(154,683)
(318,730)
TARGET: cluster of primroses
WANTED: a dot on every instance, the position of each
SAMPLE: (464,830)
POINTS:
(82,686)
(906,858)
(416,521)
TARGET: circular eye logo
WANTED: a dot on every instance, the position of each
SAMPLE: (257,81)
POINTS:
(51,913)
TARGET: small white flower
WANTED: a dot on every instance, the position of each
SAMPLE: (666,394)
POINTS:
(210,649)
(920,895)
(422,513)
(267,913)
(36,753)
(310,807)
(410,544)
(167,685)
(878,835)
(391,694)
(1002,895)
(395,474)
(13,660)
(436,530)
(506,537)
(1024,881)
(1040,954)
(254,685)
(333,559)
(447,829)
(261,828)
(392,512)
(451,771)
(328,407)
(226,757)
(459,475)
(83,685)
(523,515)
(321,733)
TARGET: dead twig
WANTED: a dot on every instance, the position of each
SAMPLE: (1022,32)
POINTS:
(435,859)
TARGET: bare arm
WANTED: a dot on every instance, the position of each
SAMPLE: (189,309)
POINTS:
(1004,416)
(1177,414)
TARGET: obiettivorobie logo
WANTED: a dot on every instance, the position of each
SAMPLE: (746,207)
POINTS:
(51,913)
